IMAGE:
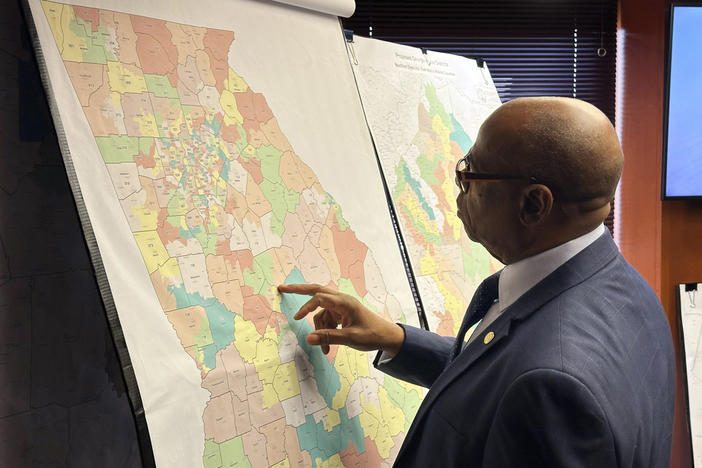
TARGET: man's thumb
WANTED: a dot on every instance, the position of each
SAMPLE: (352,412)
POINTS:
(327,337)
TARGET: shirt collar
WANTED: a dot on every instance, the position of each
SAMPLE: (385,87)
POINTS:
(519,277)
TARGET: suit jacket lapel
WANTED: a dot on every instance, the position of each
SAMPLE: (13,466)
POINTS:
(585,264)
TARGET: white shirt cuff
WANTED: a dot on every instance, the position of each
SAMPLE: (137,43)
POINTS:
(385,357)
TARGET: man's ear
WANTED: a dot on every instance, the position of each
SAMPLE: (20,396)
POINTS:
(536,203)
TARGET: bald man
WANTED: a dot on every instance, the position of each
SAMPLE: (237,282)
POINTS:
(571,364)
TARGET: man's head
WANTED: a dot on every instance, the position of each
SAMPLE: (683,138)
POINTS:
(572,152)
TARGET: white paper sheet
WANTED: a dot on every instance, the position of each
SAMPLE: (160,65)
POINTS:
(186,221)
(424,111)
(343,8)
(691,323)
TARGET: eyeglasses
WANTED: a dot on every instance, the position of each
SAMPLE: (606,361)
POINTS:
(464,175)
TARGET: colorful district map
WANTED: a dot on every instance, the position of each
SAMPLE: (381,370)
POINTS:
(424,111)
(223,210)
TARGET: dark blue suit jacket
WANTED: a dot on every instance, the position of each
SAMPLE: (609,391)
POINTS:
(580,373)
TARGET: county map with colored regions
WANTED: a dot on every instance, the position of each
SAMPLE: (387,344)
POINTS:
(419,141)
(445,260)
(223,210)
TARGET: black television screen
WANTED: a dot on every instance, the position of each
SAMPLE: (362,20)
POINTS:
(682,138)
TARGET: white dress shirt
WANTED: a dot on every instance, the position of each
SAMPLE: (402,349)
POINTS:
(519,277)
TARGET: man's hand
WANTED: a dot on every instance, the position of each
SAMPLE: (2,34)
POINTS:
(360,328)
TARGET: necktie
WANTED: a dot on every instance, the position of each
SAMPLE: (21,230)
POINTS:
(483,298)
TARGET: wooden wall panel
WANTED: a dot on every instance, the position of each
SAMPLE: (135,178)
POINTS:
(663,240)
(641,55)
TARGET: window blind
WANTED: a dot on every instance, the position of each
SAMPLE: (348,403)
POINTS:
(532,47)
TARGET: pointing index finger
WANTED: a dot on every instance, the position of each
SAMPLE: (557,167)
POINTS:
(318,300)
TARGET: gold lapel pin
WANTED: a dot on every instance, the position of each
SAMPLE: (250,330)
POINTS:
(488,337)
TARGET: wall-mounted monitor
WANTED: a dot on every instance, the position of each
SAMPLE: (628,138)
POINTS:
(682,135)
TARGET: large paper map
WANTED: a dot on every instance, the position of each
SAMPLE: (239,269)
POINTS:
(690,297)
(222,209)
(424,111)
